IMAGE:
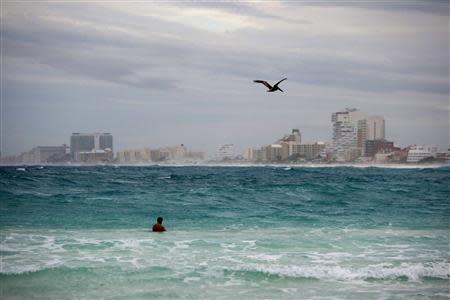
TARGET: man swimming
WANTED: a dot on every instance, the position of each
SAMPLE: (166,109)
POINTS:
(157,227)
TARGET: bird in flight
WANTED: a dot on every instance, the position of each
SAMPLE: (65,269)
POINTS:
(271,88)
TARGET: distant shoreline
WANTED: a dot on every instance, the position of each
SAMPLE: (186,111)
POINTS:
(243,165)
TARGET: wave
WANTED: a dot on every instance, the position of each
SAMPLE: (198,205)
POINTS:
(415,272)
(383,271)
(131,250)
(33,268)
(51,269)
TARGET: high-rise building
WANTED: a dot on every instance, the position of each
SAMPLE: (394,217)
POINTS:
(105,141)
(85,142)
(370,128)
(81,142)
(295,136)
(351,130)
(375,128)
(289,141)
(345,132)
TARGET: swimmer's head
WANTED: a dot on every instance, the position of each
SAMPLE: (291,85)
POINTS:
(159,220)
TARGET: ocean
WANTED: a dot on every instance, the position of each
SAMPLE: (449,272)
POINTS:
(253,232)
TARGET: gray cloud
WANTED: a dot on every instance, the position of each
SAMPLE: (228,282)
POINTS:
(119,57)
(436,7)
(242,9)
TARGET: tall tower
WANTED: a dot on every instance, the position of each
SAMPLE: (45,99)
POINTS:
(295,136)
(80,142)
(105,141)
(376,128)
(370,129)
(346,133)
(351,130)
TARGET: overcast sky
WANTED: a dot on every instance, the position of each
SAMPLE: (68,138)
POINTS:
(163,73)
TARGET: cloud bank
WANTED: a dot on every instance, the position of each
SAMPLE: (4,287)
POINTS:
(163,73)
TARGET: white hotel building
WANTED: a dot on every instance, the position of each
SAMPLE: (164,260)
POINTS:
(418,153)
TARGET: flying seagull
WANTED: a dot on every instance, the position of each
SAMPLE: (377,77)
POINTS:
(271,88)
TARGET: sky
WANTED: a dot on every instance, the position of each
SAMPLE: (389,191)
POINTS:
(160,73)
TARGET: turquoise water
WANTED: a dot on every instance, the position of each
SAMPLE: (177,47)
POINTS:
(247,232)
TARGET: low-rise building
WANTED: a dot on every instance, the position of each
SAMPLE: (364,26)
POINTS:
(45,154)
(95,156)
(259,155)
(444,156)
(351,154)
(308,151)
(178,152)
(196,155)
(10,160)
(133,156)
(383,158)
(419,153)
(248,154)
(274,152)
(157,155)
(373,147)
(51,154)
(225,152)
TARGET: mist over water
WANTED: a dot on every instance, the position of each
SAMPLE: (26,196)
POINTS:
(256,232)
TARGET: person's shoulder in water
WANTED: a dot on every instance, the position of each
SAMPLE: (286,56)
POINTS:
(158,227)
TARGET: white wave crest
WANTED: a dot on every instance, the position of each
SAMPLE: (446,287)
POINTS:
(412,271)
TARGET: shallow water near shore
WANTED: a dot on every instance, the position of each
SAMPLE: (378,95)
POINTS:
(249,232)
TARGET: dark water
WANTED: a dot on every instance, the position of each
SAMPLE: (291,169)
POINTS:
(194,197)
(258,232)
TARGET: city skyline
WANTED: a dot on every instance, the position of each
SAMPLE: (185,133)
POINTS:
(181,72)
(357,137)
(352,117)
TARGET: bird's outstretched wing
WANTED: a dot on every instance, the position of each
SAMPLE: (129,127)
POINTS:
(280,81)
(263,82)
